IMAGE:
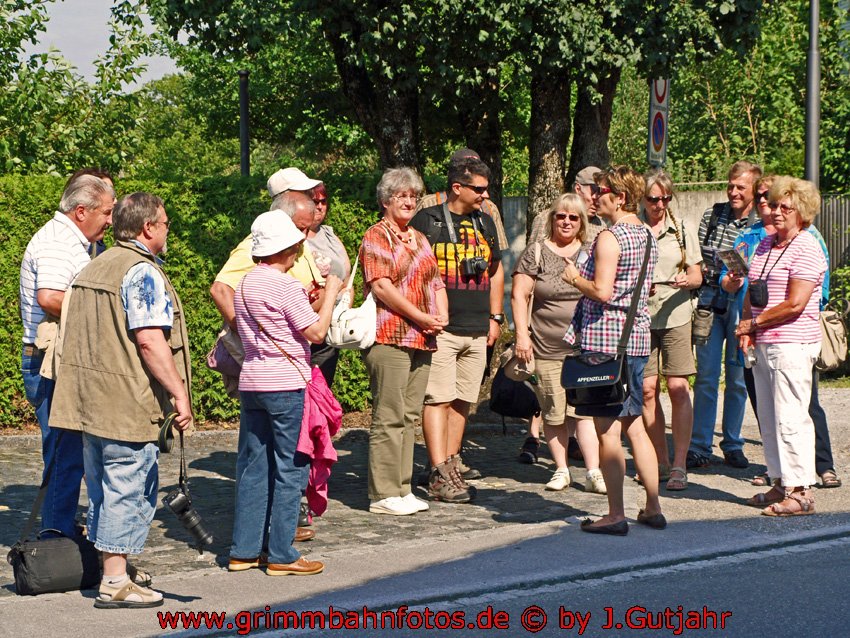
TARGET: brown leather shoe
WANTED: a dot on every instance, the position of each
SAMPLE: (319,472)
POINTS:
(303,534)
(301,567)
(243,564)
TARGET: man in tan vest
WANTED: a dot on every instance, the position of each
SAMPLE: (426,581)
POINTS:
(124,367)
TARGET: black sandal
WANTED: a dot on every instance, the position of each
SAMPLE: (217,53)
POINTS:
(528,451)
(830,479)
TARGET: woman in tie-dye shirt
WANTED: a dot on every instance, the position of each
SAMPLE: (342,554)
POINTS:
(401,271)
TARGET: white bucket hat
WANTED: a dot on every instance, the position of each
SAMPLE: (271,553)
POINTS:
(273,232)
(290,179)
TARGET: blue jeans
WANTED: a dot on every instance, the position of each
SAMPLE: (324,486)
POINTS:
(269,475)
(707,384)
(122,479)
(59,510)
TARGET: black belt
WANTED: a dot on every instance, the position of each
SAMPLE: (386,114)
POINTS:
(30,350)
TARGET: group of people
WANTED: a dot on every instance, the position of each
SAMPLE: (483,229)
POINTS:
(116,361)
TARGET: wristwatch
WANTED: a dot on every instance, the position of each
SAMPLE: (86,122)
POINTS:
(498,318)
(754,324)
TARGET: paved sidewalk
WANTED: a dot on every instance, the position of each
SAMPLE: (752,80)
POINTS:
(373,558)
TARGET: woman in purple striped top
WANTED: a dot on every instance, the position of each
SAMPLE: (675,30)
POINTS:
(780,325)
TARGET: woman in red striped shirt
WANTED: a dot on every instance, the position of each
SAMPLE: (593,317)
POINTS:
(780,324)
(401,270)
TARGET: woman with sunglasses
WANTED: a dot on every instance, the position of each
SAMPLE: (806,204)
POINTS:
(746,244)
(540,333)
(607,281)
(678,272)
(331,258)
(780,323)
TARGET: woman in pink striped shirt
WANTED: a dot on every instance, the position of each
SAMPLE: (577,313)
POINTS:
(780,324)
(276,322)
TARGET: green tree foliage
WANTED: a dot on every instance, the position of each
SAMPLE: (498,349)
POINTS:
(51,119)
(732,106)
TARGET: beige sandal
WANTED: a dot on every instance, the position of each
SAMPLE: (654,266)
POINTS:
(800,503)
(117,597)
(678,480)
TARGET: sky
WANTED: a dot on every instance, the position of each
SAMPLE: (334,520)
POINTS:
(80,30)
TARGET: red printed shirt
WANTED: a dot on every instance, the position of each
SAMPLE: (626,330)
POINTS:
(412,268)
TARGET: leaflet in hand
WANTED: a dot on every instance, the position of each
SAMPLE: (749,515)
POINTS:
(734,262)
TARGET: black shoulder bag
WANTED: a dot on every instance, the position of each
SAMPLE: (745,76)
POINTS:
(46,565)
(600,379)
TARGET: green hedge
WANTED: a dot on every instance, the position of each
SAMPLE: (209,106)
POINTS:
(210,217)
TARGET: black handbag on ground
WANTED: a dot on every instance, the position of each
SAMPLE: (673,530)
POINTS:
(58,564)
(599,379)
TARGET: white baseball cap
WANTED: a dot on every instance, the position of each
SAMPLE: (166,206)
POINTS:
(273,232)
(290,179)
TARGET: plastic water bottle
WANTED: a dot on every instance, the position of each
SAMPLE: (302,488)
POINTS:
(750,358)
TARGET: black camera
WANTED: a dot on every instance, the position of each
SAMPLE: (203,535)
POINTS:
(473,266)
(179,502)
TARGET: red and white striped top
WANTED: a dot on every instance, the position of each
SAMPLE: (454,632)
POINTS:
(279,302)
(802,260)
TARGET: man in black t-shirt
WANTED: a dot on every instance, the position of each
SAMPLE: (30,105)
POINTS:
(465,243)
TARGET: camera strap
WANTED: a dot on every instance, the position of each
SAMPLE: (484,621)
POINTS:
(184,475)
(767,259)
(450,227)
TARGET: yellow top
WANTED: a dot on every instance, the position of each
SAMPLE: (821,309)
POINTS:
(239,263)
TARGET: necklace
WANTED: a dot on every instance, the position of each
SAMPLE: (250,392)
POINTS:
(619,221)
(784,242)
(405,238)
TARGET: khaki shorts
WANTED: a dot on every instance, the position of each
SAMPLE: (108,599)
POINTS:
(551,394)
(457,368)
(673,347)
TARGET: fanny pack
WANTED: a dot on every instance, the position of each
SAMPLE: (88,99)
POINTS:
(599,379)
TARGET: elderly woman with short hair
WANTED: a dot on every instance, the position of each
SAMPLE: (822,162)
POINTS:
(540,330)
(400,269)
(781,325)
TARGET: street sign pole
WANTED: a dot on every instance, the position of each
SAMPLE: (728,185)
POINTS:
(659,100)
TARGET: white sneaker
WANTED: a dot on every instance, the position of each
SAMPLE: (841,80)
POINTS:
(594,482)
(418,503)
(393,505)
(560,480)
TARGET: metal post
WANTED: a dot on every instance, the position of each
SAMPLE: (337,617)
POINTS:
(244,135)
(813,96)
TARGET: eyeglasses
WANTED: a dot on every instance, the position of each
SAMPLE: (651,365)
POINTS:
(320,200)
(559,217)
(761,196)
(479,190)
(404,198)
(664,198)
(783,208)
(167,223)
(599,191)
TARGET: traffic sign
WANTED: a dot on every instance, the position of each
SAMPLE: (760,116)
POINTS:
(659,99)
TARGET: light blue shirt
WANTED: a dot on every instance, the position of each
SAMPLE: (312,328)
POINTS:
(145,299)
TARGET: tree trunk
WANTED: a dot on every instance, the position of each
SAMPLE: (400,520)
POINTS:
(388,112)
(479,115)
(591,125)
(548,137)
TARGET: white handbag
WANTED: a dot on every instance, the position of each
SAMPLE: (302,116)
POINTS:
(353,328)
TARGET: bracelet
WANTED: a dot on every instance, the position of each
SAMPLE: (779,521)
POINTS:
(574,280)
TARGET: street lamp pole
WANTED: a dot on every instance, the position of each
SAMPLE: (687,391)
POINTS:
(813,96)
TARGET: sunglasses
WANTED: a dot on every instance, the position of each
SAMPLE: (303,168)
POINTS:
(599,191)
(664,198)
(479,190)
(320,200)
(761,196)
(783,208)
(559,217)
